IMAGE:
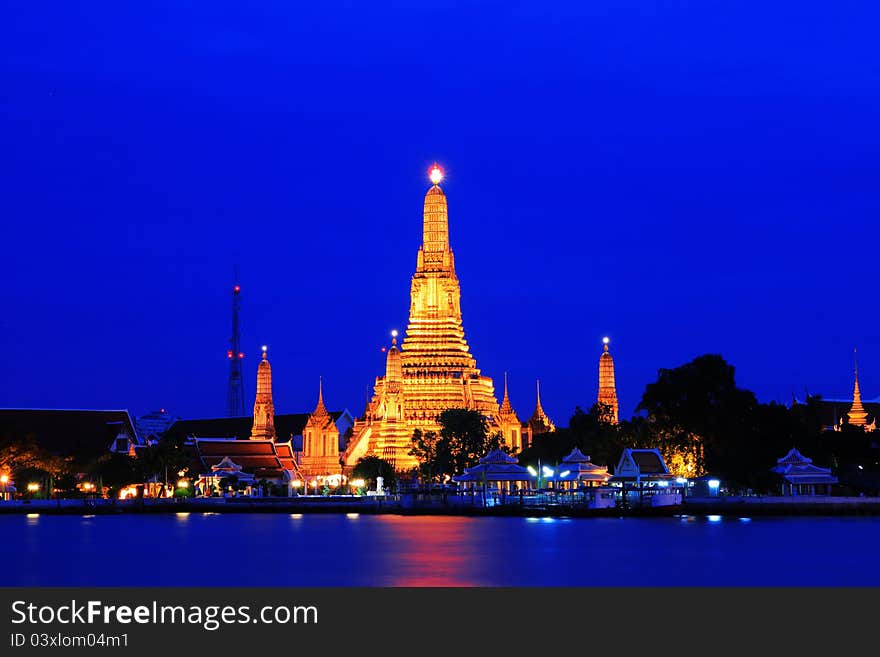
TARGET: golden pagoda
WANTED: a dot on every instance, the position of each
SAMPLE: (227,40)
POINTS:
(264,409)
(607,387)
(857,414)
(540,422)
(509,423)
(320,453)
(433,370)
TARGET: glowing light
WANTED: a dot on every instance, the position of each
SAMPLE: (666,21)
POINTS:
(128,491)
(32,516)
(663,484)
(435,174)
(358,483)
(315,483)
(394,333)
(240,355)
(236,289)
(296,516)
(532,471)
(680,480)
(548,472)
(33,488)
(713,483)
(265,349)
(296,483)
(229,354)
(745,519)
(352,515)
(88,486)
(565,473)
(605,340)
(714,518)
(4,479)
(183,483)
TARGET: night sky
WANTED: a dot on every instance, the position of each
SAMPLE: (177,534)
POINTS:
(685,177)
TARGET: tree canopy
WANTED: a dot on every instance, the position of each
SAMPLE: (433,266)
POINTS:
(464,438)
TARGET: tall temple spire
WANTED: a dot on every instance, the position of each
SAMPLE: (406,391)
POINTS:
(435,225)
(320,409)
(264,408)
(857,414)
(539,422)
(505,408)
(607,387)
(393,366)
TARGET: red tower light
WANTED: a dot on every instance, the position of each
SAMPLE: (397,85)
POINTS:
(236,289)
(229,354)
(240,355)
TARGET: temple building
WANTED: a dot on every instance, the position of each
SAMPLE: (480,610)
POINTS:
(509,424)
(320,451)
(799,476)
(540,422)
(607,387)
(286,449)
(433,370)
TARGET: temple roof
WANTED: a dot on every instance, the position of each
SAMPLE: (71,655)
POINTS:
(641,463)
(286,426)
(576,456)
(495,466)
(796,468)
(794,457)
(498,456)
(82,434)
(258,457)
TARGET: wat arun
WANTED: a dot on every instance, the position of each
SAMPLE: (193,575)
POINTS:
(433,369)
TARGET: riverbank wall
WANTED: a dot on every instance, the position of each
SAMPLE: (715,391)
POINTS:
(537,506)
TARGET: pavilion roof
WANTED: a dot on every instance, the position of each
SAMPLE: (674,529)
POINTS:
(508,470)
(576,456)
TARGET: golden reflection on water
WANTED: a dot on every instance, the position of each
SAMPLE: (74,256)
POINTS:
(433,552)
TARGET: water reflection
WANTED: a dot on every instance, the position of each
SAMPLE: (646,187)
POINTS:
(437,554)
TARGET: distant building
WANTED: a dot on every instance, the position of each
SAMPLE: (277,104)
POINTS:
(539,423)
(854,412)
(800,477)
(151,426)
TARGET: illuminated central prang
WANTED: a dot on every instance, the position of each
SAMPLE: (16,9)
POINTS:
(433,370)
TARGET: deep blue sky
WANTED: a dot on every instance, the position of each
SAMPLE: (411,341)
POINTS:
(686,177)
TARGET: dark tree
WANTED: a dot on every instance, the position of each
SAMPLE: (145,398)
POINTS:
(698,405)
(369,468)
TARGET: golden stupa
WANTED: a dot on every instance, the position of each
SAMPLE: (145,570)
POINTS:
(264,408)
(433,370)
(607,387)
(857,414)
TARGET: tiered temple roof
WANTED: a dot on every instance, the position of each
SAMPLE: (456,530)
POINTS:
(578,467)
(797,469)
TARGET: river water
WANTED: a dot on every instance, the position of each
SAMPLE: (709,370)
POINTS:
(208,549)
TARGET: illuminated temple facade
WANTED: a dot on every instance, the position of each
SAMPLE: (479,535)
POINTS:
(433,369)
